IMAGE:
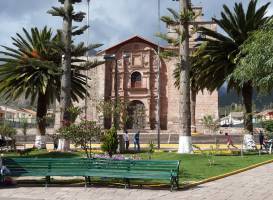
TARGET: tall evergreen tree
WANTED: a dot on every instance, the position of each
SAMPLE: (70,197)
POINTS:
(182,72)
(67,13)
(185,143)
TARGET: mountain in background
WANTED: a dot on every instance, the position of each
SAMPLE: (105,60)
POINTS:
(227,98)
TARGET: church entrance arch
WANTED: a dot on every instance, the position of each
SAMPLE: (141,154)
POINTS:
(136,115)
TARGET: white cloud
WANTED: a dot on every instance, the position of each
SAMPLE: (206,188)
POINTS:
(111,20)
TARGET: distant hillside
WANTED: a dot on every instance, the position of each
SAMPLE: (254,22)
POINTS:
(260,101)
(22,102)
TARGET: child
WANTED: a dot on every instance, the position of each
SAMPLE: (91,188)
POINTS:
(229,141)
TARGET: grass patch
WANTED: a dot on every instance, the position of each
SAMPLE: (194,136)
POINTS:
(197,167)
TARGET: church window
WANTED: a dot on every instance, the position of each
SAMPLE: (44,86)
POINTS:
(136,80)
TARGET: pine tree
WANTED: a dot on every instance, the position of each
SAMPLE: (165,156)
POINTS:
(69,15)
(185,143)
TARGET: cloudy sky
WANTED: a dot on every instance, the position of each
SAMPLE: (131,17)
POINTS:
(111,20)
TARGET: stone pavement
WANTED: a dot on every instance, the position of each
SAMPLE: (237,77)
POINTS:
(255,184)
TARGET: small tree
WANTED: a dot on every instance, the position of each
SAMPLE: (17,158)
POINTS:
(213,126)
(108,109)
(151,149)
(110,141)
(8,131)
(83,135)
(74,112)
(268,126)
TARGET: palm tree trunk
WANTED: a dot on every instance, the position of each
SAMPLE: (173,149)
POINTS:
(185,143)
(193,107)
(247,93)
(40,141)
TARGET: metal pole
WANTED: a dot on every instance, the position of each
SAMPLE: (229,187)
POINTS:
(158,80)
(87,57)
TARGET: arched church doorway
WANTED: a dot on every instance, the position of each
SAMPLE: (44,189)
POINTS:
(136,115)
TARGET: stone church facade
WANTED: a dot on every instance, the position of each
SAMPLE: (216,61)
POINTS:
(136,59)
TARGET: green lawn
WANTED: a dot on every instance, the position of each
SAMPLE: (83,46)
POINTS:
(196,167)
(193,167)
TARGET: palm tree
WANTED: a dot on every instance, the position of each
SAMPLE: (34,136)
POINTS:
(215,59)
(33,68)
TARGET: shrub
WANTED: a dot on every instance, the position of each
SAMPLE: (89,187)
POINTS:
(8,131)
(110,141)
(74,112)
(151,149)
(268,126)
(83,135)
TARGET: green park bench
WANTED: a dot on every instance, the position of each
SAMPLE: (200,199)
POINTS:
(106,168)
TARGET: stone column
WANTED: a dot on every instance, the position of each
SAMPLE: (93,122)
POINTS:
(147,114)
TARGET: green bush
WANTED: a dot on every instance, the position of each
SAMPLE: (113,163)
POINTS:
(110,141)
(82,135)
(8,131)
(268,126)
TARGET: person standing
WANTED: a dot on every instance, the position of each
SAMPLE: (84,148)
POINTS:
(229,141)
(136,141)
(261,140)
(126,139)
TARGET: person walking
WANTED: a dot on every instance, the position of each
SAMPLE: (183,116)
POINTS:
(229,141)
(126,139)
(136,141)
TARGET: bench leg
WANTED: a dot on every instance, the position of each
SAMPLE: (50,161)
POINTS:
(2,178)
(89,180)
(47,180)
(85,182)
(127,183)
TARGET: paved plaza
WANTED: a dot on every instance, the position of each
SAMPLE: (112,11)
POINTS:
(255,184)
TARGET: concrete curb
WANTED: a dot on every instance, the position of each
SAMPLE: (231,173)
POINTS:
(214,178)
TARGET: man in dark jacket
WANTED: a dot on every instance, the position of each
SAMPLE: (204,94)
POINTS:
(136,141)
(261,139)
